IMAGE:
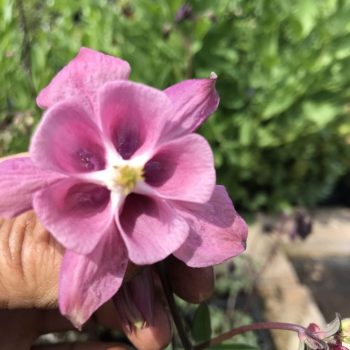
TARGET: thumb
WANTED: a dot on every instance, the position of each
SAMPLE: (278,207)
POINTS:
(29,263)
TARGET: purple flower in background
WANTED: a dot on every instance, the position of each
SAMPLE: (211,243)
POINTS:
(116,173)
(183,13)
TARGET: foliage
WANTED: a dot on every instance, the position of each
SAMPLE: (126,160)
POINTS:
(201,325)
(281,135)
(225,309)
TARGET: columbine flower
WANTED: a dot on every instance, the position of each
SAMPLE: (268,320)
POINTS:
(116,173)
(134,301)
(329,338)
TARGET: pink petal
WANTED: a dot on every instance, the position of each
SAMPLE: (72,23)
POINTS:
(194,101)
(88,281)
(19,180)
(183,169)
(76,213)
(150,228)
(217,232)
(82,77)
(135,301)
(68,141)
(133,116)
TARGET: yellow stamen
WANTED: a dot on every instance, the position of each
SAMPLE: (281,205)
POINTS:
(139,324)
(128,177)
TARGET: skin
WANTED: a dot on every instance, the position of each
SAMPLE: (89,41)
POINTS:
(30,260)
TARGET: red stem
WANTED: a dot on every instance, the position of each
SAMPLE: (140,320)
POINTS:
(258,326)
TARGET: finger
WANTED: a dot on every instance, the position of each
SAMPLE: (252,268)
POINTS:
(153,337)
(191,284)
(84,346)
(29,263)
(30,260)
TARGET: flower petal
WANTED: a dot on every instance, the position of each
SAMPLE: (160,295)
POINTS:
(135,301)
(217,232)
(68,141)
(194,101)
(82,77)
(19,180)
(88,281)
(183,169)
(150,228)
(133,116)
(76,213)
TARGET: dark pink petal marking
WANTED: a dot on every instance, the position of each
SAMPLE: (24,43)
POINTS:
(150,228)
(133,116)
(183,169)
(127,138)
(194,101)
(159,169)
(86,198)
(88,281)
(68,141)
(217,232)
(76,213)
(82,77)
(19,180)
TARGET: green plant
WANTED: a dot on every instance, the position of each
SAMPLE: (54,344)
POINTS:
(281,135)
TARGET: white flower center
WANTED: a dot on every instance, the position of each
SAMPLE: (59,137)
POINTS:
(121,176)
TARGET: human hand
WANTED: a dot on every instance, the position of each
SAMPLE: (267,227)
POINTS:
(29,264)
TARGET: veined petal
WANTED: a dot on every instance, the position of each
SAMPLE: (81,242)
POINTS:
(183,169)
(88,281)
(135,301)
(76,213)
(82,77)
(194,101)
(133,116)
(19,181)
(217,232)
(68,141)
(150,228)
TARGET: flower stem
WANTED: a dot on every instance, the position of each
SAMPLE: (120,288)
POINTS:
(300,330)
(173,308)
(258,326)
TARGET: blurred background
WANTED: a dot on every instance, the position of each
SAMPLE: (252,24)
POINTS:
(281,135)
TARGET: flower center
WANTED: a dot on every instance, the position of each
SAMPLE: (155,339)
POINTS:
(127,177)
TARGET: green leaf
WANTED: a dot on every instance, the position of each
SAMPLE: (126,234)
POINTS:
(306,12)
(201,326)
(7,10)
(321,113)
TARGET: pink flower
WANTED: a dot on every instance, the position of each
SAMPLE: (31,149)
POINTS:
(329,338)
(116,173)
(134,301)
